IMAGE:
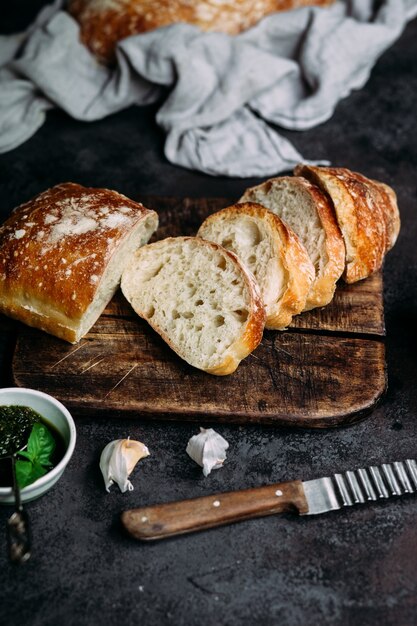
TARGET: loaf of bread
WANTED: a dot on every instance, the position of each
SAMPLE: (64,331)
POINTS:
(271,251)
(105,22)
(199,298)
(367,214)
(62,256)
(310,214)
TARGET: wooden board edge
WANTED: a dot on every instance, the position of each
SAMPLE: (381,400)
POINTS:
(82,409)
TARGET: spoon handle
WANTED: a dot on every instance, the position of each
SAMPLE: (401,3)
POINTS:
(18,532)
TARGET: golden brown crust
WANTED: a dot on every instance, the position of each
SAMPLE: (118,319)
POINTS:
(324,284)
(105,22)
(54,251)
(388,201)
(360,215)
(293,257)
(392,213)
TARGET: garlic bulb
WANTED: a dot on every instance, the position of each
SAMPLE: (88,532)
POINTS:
(118,460)
(208,449)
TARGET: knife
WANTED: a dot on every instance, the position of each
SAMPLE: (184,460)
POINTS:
(309,497)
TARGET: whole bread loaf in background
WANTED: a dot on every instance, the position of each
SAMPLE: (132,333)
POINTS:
(62,255)
(271,251)
(199,298)
(367,214)
(105,22)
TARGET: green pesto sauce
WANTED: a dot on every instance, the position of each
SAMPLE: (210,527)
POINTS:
(15,425)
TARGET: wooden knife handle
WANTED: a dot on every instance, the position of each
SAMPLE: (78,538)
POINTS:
(175,518)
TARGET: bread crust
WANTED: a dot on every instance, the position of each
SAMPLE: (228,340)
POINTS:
(55,250)
(386,198)
(292,255)
(360,215)
(324,284)
(254,326)
(392,213)
(105,22)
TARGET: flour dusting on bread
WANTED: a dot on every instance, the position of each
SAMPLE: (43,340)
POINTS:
(62,255)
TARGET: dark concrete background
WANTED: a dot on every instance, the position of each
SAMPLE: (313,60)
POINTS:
(353,567)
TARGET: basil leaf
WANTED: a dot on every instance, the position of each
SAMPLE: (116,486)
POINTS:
(41,444)
(27,472)
(25,454)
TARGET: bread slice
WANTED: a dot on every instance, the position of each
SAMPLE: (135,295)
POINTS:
(199,298)
(361,215)
(309,213)
(271,251)
(62,255)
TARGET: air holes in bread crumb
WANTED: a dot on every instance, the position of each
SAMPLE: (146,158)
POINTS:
(199,302)
(250,233)
(192,289)
(219,321)
(155,272)
(222,263)
(241,314)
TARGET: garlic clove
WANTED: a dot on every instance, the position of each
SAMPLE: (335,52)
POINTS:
(208,449)
(118,460)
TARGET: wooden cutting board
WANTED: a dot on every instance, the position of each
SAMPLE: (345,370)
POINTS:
(328,369)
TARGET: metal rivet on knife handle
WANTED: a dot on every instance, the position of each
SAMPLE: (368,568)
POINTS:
(402,477)
(379,482)
(354,485)
(412,470)
(367,485)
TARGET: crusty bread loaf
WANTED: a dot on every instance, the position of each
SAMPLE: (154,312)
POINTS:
(105,22)
(368,225)
(199,298)
(271,251)
(309,213)
(62,256)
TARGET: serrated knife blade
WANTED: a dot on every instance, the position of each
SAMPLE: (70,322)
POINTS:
(310,497)
(360,486)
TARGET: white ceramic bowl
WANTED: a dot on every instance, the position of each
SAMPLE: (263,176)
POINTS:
(53,412)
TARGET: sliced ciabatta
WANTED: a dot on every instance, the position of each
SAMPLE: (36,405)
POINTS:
(309,213)
(199,298)
(271,251)
(361,214)
(62,255)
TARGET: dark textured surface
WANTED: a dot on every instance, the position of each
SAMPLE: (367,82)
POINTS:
(354,567)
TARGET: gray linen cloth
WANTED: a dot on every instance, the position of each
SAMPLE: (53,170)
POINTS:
(218,92)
